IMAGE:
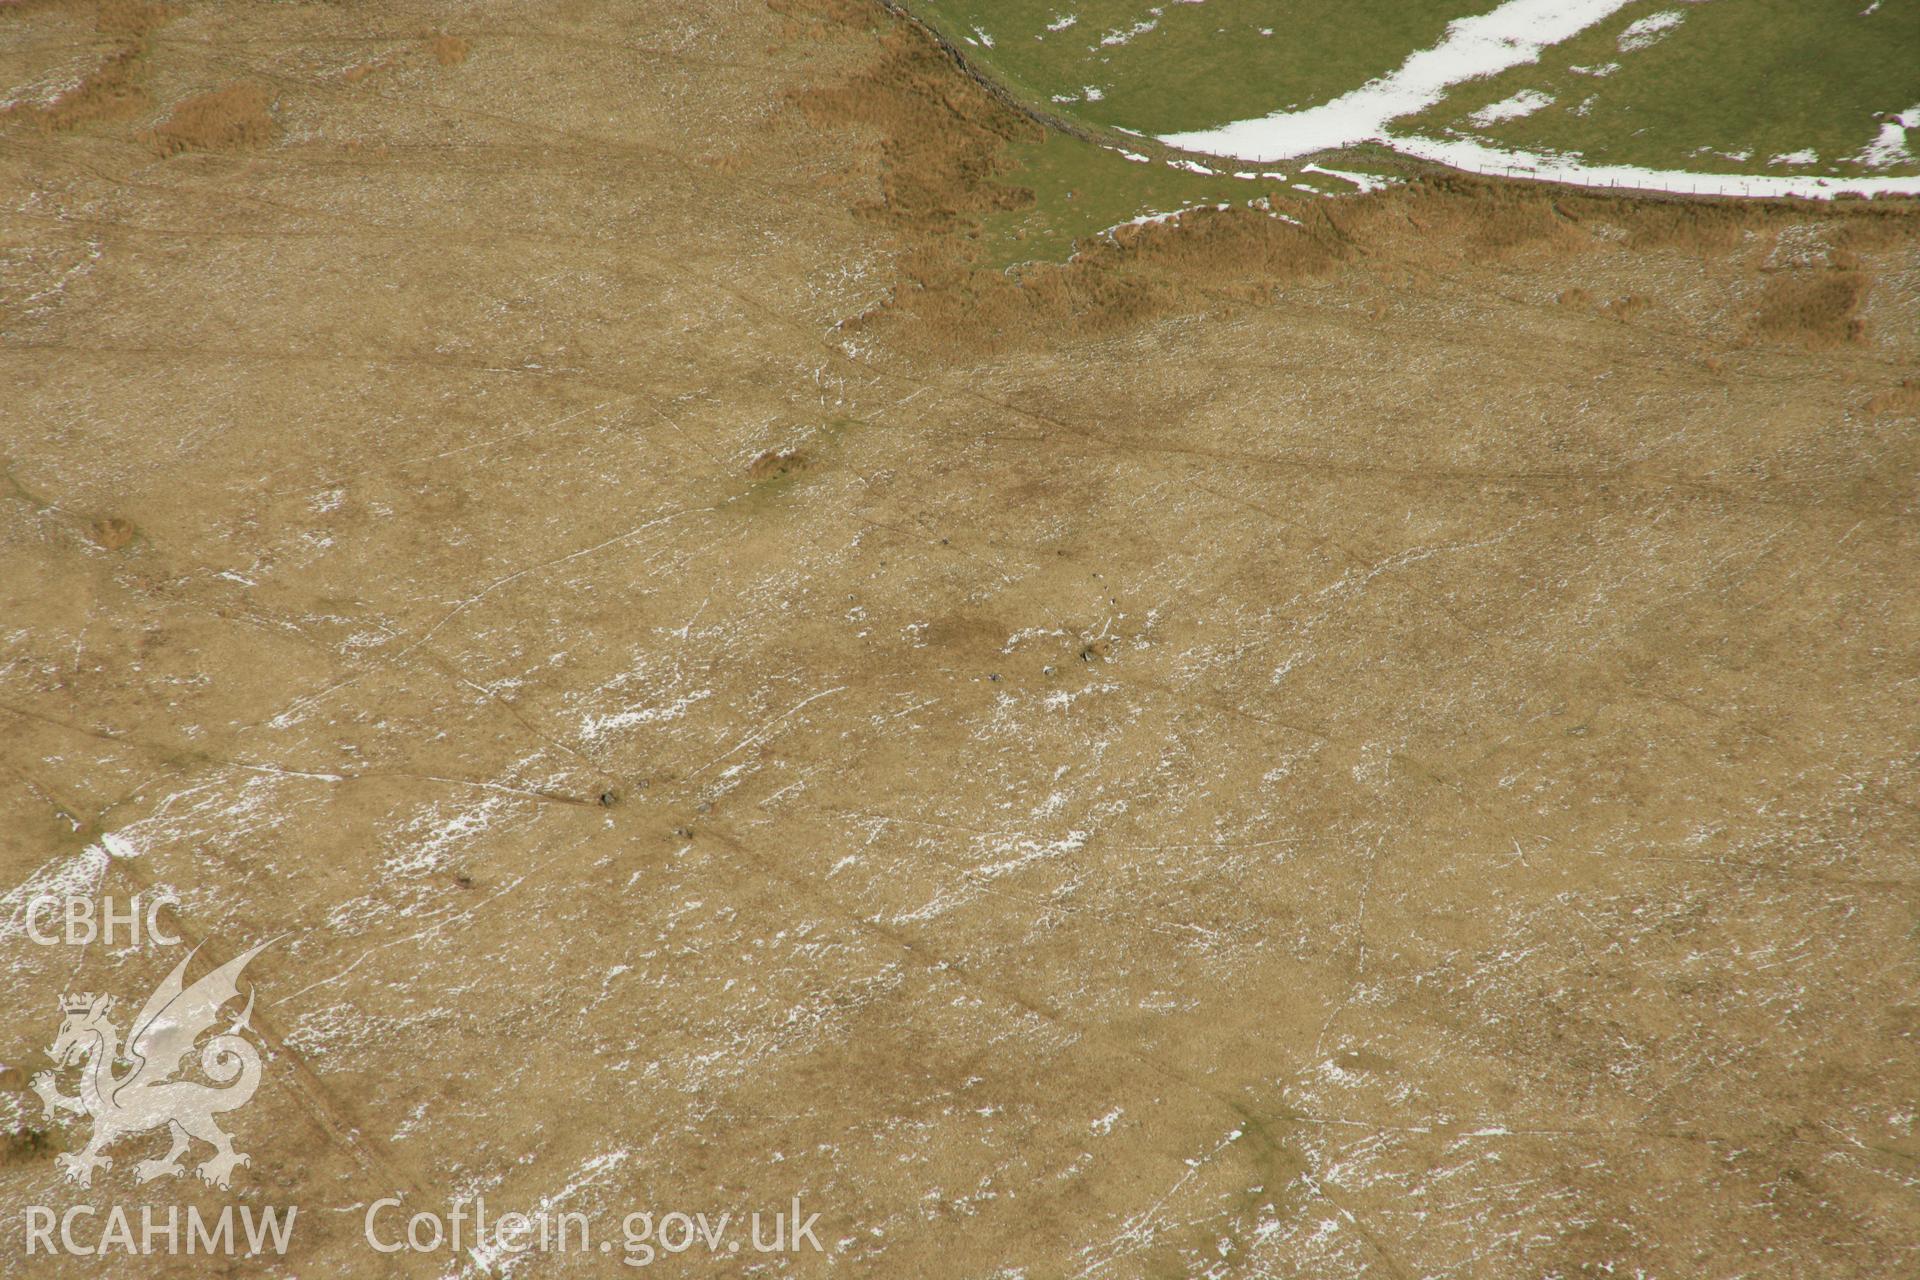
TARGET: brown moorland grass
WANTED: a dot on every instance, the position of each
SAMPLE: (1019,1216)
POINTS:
(1447,659)
(1699,228)
(443,49)
(1903,399)
(133,17)
(942,142)
(112,88)
(1813,307)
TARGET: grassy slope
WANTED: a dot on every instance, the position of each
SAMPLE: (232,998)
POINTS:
(1081,189)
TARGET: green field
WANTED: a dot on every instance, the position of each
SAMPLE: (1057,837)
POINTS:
(1760,87)
(1737,84)
(1199,65)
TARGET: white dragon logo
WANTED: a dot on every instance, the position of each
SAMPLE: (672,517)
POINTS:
(146,1096)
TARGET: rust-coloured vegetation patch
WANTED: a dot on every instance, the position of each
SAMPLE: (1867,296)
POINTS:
(448,51)
(229,119)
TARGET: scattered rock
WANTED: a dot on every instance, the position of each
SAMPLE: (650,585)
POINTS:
(778,464)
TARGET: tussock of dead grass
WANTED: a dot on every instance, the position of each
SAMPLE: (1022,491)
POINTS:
(448,51)
(1626,308)
(1814,308)
(113,532)
(227,119)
